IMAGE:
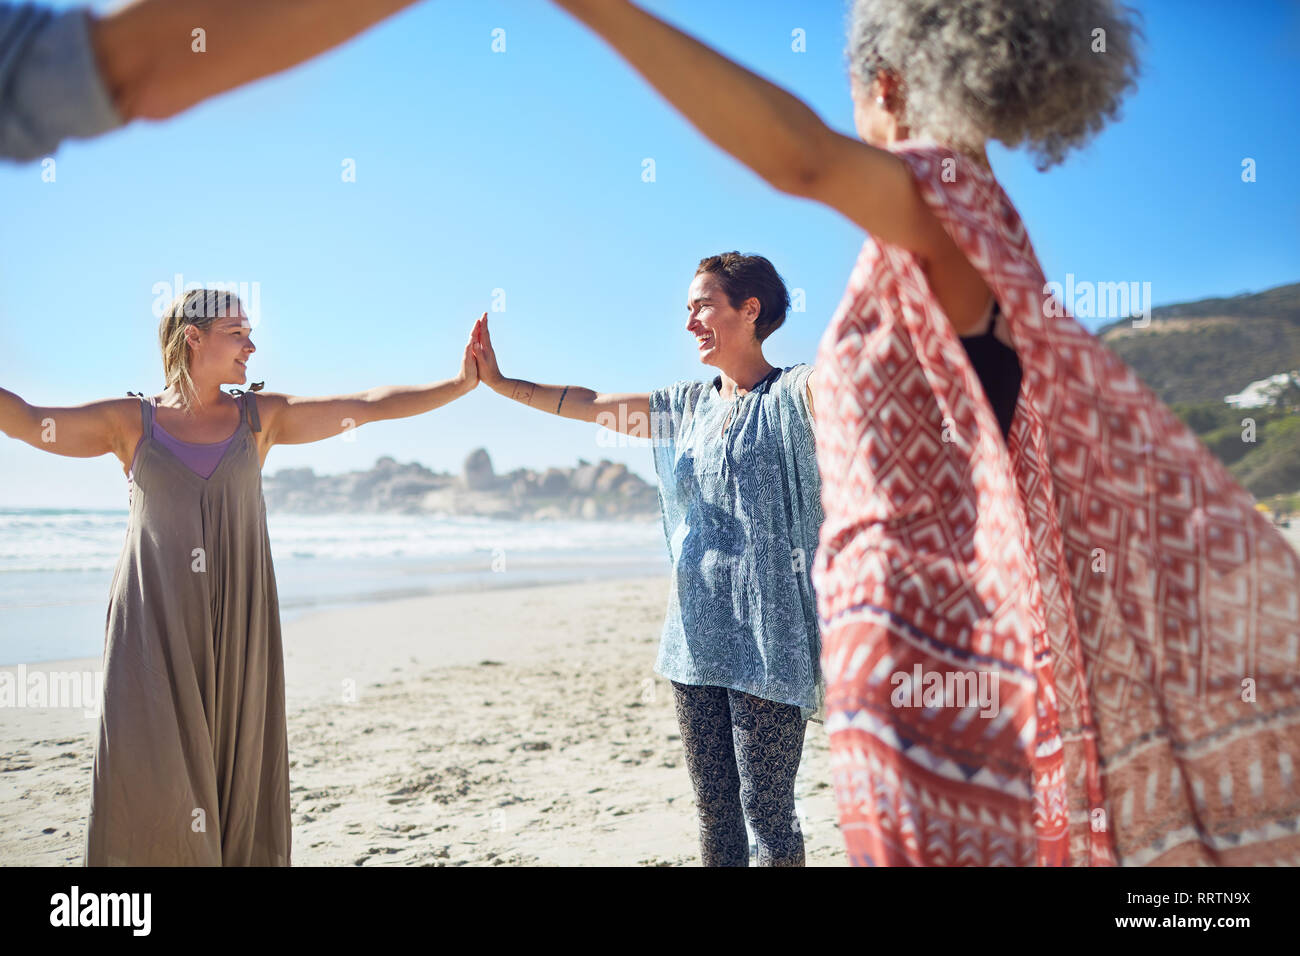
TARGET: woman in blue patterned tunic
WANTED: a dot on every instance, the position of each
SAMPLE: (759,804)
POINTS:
(741,503)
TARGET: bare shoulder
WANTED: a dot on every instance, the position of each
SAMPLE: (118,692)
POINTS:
(270,404)
(123,414)
(876,189)
(270,401)
(269,407)
(129,405)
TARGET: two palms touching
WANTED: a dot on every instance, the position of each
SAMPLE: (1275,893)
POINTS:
(479,363)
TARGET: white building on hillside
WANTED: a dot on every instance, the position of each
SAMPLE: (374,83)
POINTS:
(1263,392)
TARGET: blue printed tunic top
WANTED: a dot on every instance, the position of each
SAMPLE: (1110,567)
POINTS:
(741,502)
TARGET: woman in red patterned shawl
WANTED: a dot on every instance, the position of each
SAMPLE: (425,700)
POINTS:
(1055,630)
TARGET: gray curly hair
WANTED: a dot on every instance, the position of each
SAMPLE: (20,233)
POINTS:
(1023,72)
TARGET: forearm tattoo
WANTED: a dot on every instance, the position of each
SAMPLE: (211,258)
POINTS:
(562,394)
(523,392)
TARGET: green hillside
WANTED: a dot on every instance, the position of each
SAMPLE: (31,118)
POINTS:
(1201,351)
(1206,359)
(1193,354)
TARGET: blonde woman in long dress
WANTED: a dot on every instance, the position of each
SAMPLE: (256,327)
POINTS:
(191,762)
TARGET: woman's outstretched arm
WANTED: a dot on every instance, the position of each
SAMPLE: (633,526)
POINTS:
(146,49)
(297,420)
(78,431)
(773,133)
(627,412)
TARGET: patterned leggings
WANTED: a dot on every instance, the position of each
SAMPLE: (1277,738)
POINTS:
(742,753)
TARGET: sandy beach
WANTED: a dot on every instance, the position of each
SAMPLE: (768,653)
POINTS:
(516,726)
(512,727)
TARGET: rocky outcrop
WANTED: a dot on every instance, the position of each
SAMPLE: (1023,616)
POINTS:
(590,491)
(477,471)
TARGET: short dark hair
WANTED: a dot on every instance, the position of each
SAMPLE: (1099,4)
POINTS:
(744,277)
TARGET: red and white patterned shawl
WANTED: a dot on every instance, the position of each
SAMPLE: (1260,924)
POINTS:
(1140,617)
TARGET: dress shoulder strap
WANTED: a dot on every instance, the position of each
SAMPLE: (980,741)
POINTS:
(146,413)
(249,401)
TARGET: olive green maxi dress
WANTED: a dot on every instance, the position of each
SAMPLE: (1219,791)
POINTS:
(191,763)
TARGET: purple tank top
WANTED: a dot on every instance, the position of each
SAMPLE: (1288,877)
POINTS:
(201,458)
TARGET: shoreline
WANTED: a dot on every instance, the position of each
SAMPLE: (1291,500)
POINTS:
(330,620)
(407,580)
(58,569)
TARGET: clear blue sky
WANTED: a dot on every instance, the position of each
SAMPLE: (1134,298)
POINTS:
(522,171)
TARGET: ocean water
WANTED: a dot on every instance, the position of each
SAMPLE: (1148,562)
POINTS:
(56,566)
